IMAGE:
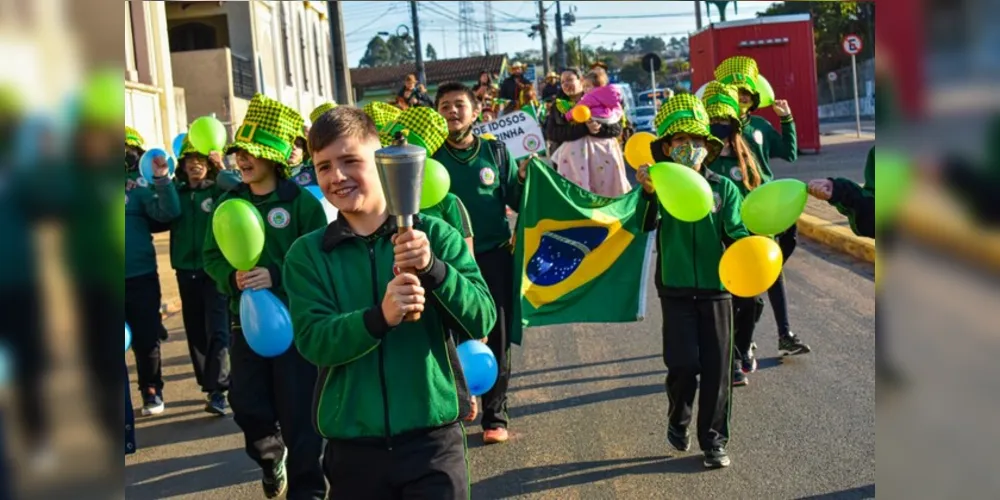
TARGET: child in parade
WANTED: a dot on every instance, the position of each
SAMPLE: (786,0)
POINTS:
(603,99)
(270,397)
(146,204)
(201,180)
(390,397)
(739,164)
(766,143)
(697,310)
(487,180)
(304,173)
(856,202)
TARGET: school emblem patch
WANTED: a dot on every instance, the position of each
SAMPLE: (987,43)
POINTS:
(279,218)
(142,182)
(207,205)
(758,137)
(718,202)
(736,174)
(304,179)
(487,176)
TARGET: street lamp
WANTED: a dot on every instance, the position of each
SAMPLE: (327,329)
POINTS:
(579,45)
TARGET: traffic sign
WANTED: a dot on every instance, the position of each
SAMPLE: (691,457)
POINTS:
(852,45)
(832,76)
(530,72)
(652,62)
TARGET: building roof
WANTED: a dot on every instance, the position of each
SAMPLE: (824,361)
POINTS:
(464,69)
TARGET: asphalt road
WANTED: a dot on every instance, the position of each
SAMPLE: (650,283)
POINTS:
(589,412)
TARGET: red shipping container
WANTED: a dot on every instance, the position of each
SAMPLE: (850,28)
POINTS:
(785,51)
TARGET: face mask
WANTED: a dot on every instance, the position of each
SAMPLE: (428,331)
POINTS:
(722,130)
(689,155)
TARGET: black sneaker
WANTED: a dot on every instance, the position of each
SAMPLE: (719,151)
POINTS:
(152,403)
(275,481)
(717,459)
(679,439)
(216,404)
(791,345)
(740,379)
(748,361)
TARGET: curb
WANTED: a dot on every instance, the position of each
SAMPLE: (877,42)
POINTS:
(938,225)
(839,238)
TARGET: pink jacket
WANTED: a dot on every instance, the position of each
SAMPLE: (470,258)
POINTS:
(605,104)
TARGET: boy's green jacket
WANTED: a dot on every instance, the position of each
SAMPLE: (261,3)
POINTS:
(144,206)
(690,252)
(485,179)
(376,381)
(289,212)
(452,211)
(856,202)
(187,233)
(767,143)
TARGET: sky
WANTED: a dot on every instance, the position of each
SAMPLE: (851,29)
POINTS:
(513,19)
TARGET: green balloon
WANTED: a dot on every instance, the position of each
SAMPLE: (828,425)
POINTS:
(894,179)
(766,92)
(239,232)
(103,99)
(774,207)
(207,134)
(684,193)
(437,183)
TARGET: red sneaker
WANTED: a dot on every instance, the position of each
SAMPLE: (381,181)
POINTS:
(495,436)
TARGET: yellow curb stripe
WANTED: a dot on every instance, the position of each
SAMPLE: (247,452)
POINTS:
(948,230)
(839,238)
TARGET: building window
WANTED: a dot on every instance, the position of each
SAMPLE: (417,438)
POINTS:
(130,65)
(244,77)
(287,53)
(192,36)
(303,55)
(319,61)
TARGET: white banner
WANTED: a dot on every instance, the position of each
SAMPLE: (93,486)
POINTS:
(519,131)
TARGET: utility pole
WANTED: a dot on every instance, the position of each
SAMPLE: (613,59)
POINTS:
(545,40)
(560,44)
(341,70)
(418,49)
(697,14)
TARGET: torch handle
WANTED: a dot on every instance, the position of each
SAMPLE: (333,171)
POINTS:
(414,316)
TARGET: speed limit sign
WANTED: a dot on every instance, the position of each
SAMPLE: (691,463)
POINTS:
(852,45)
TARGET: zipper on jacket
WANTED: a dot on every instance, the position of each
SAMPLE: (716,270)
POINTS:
(694,254)
(381,352)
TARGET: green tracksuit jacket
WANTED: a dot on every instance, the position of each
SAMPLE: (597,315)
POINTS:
(857,202)
(288,213)
(144,206)
(767,143)
(689,253)
(376,381)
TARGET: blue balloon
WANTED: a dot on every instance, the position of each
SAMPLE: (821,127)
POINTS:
(316,191)
(267,324)
(128,337)
(479,366)
(146,163)
(178,144)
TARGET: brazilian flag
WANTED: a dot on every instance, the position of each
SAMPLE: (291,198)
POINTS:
(579,257)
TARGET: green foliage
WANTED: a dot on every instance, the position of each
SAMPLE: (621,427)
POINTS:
(430,54)
(389,51)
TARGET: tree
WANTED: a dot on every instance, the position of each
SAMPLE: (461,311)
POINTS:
(648,44)
(629,45)
(390,51)
(431,54)
(831,22)
(531,56)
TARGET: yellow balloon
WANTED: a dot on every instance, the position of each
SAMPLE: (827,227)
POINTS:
(751,266)
(638,150)
(581,114)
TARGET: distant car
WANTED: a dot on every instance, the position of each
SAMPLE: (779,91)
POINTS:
(644,116)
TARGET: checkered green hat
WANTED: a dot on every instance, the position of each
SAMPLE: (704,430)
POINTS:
(321,110)
(268,130)
(133,138)
(186,149)
(685,113)
(382,113)
(722,101)
(739,71)
(422,126)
